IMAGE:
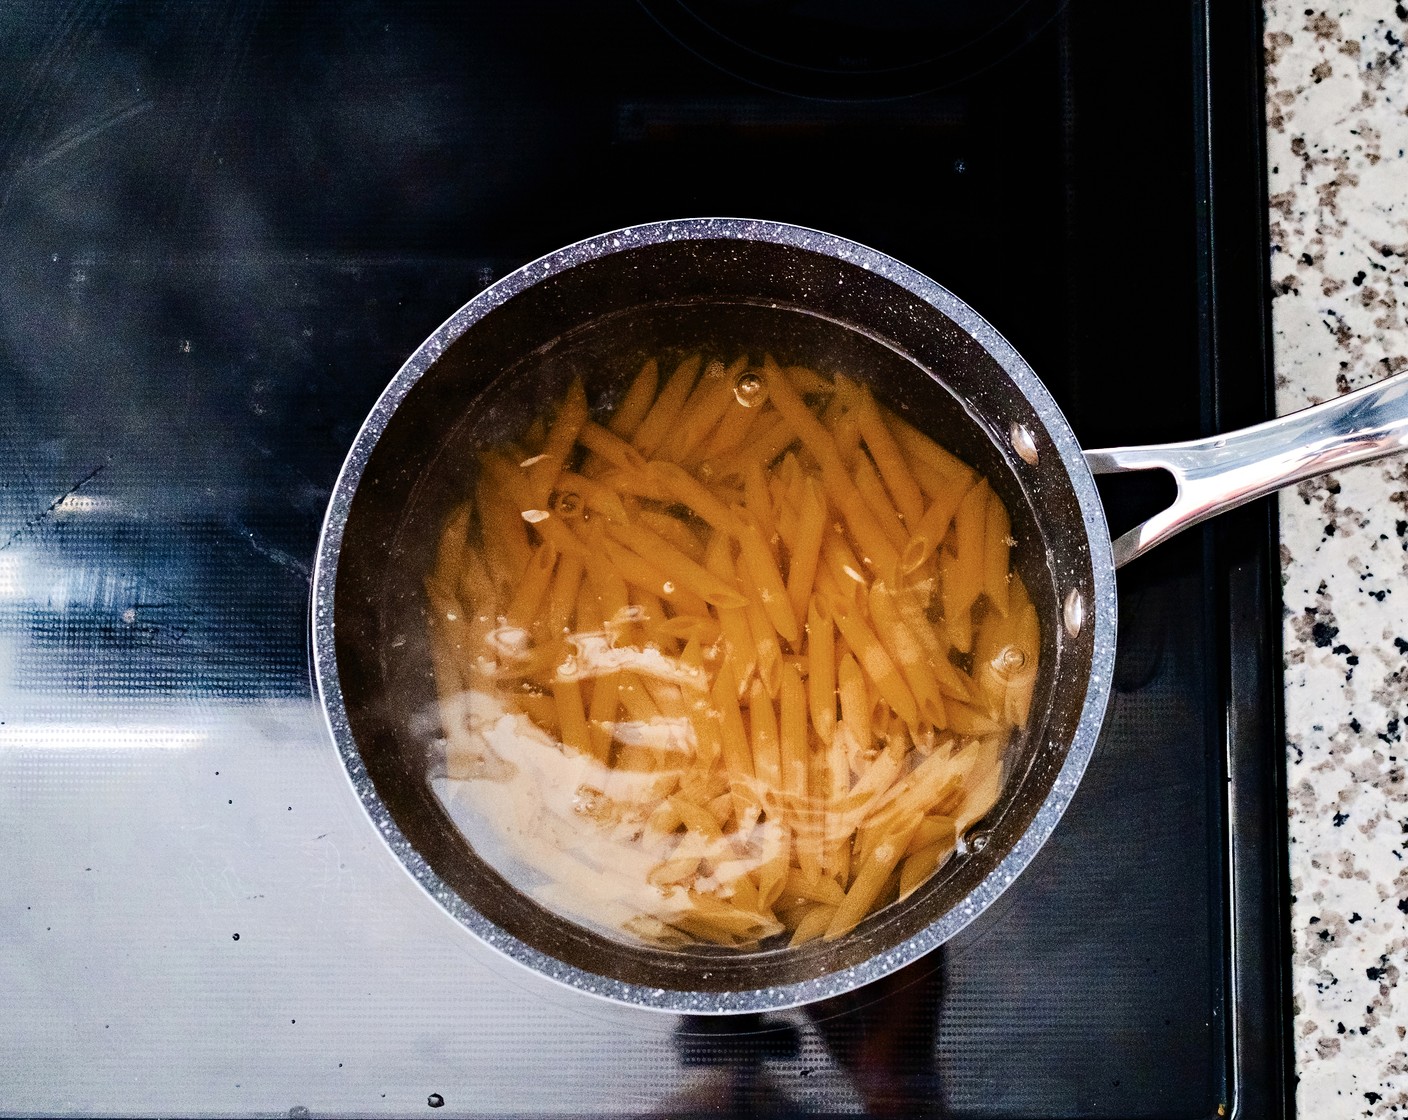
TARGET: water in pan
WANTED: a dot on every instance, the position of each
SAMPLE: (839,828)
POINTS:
(552,815)
(591,802)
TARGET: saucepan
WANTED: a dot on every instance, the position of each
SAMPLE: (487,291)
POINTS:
(744,286)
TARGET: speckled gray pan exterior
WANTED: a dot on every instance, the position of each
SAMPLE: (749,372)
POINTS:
(597,307)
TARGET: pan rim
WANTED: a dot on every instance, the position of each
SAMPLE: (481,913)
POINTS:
(1100,614)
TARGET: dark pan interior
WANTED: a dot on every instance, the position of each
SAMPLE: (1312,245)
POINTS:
(600,319)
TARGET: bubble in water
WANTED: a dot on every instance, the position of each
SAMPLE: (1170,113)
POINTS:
(1010,660)
(750,390)
(568,503)
(587,800)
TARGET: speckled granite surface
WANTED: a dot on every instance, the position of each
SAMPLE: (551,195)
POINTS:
(1337,117)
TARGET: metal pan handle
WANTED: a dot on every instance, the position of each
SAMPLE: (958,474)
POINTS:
(1223,472)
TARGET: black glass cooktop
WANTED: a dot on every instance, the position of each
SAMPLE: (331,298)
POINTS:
(226,224)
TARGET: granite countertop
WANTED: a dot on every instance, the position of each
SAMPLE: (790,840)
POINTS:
(1337,131)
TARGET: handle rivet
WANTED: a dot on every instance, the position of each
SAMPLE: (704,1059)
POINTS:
(1073,611)
(1024,443)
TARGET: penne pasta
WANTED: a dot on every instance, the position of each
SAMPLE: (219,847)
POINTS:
(818,441)
(770,437)
(610,447)
(761,569)
(677,483)
(733,736)
(637,401)
(666,410)
(674,530)
(607,581)
(808,382)
(740,651)
(872,490)
(869,881)
(454,539)
(812,923)
(880,442)
(792,727)
(907,652)
(562,597)
(931,528)
(771,876)
(805,888)
(601,715)
(475,585)
(806,550)
(571,718)
(637,570)
(685,571)
(969,533)
(821,671)
(997,529)
(758,502)
(918,866)
(561,437)
(703,410)
(735,660)
(919,448)
(532,587)
(854,727)
(767,751)
(763,637)
(576,493)
(733,429)
(505,535)
(878,666)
